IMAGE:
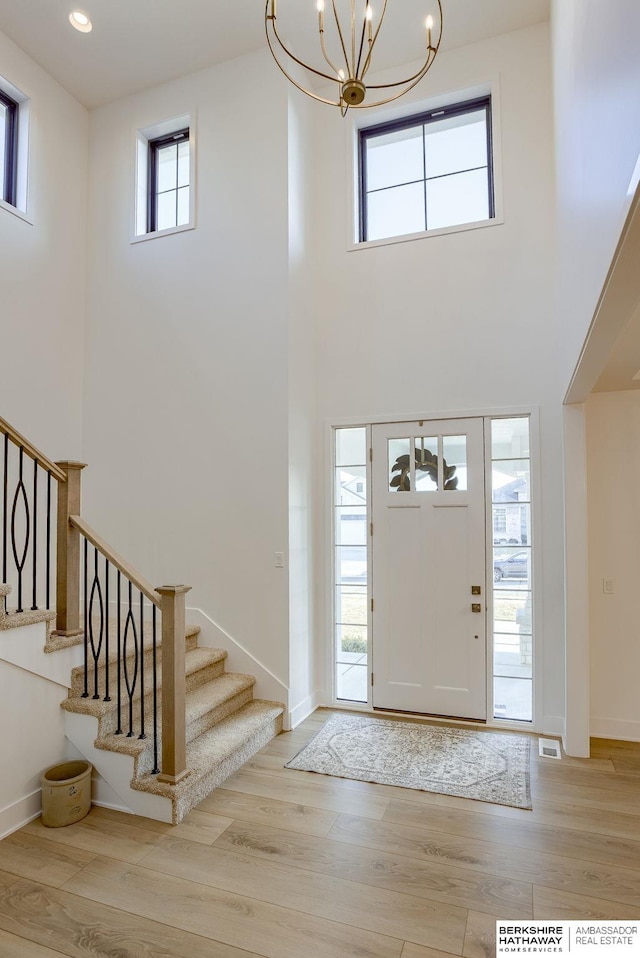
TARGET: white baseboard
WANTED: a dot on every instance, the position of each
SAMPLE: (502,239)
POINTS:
(304,709)
(553,725)
(19,813)
(212,635)
(624,729)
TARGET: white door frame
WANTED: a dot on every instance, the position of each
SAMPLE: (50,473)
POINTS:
(328,605)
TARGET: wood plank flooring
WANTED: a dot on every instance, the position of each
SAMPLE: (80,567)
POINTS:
(288,864)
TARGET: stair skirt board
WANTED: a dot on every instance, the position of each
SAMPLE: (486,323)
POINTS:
(226,726)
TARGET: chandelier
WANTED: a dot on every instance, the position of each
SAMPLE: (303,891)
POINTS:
(352,46)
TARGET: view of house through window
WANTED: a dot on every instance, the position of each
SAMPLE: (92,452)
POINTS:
(512,606)
(350,537)
(426,172)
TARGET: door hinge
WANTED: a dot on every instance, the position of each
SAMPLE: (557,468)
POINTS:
(371,528)
(372,605)
(372,678)
(370,453)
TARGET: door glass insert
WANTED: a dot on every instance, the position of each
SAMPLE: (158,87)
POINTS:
(426,463)
(399,465)
(512,580)
(454,463)
(351,532)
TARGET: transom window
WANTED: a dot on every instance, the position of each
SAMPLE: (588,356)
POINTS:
(427,172)
(169,165)
(8,148)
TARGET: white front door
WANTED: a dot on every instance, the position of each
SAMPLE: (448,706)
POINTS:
(428,557)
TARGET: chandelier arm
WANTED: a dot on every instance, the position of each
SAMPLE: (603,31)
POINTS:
(315,96)
(323,47)
(305,66)
(344,49)
(364,30)
(416,76)
(353,38)
(367,62)
(396,96)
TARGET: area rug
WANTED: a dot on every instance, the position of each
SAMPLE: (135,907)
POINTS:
(486,766)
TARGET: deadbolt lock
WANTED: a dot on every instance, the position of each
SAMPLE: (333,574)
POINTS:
(476,607)
(476,590)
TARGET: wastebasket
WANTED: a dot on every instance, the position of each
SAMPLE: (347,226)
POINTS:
(66,793)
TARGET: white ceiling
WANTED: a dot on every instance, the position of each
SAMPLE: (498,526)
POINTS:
(136,44)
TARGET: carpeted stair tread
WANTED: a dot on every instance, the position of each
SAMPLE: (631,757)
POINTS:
(4,589)
(13,620)
(215,693)
(196,660)
(217,754)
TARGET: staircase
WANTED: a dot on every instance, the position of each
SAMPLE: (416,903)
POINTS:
(155,713)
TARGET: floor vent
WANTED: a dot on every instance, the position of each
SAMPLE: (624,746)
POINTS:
(549,748)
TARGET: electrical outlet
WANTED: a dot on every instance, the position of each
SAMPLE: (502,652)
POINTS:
(607,586)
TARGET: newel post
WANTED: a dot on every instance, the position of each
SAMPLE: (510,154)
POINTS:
(174,738)
(68,557)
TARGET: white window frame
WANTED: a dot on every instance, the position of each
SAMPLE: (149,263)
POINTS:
(365,118)
(21,208)
(139,233)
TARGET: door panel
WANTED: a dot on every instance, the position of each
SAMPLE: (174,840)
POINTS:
(428,550)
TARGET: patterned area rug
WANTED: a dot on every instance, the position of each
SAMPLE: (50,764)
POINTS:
(486,766)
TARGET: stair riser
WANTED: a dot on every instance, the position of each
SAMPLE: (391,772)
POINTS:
(77,675)
(216,715)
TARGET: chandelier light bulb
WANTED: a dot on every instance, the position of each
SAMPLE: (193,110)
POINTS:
(369,13)
(320,6)
(429,22)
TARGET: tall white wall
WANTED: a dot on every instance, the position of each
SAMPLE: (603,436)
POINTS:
(597,111)
(186,388)
(304,459)
(613,480)
(44,267)
(463,321)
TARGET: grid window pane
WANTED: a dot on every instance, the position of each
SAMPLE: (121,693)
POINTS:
(351,447)
(459,198)
(167,168)
(510,438)
(351,682)
(183,206)
(166,217)
(513,698)
(455,144)
(351,486)
(183,163)
(351,525)
(396,211)
(395,158)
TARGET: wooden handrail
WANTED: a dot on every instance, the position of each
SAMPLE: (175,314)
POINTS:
(31,450)
(116,560)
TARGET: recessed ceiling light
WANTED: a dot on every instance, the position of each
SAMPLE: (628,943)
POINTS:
(80,21)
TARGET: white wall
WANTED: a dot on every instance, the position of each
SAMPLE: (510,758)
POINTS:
(463,321)
(613,480)
(44,267)
(304,459)
(597,110)
(186,388)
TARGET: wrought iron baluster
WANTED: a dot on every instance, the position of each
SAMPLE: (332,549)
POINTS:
(85,694)
(130,680)
(142,733)
(107,697)
(96,591)
(34,584)
(48,572)
(119,680)
(4,507)
(20,561)
(155,770)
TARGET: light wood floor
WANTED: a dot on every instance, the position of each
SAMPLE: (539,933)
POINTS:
(286,864)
